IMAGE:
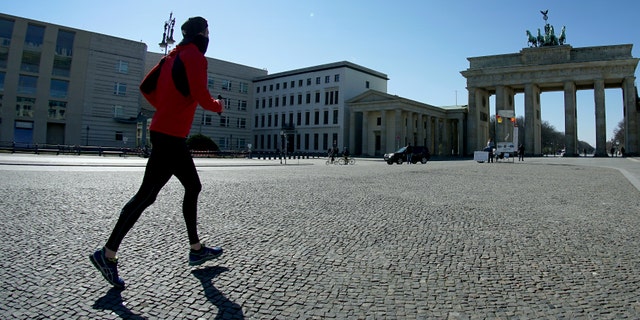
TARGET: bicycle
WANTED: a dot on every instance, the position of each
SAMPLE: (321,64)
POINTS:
(334,162)
(342,161)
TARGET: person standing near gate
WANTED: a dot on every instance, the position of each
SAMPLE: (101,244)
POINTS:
(521,152)
(174,87)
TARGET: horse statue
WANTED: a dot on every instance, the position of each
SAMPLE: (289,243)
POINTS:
(540,39)
(552,40)
(563,36)
(532,42)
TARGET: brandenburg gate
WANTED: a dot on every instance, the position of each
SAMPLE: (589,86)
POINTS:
(550,65)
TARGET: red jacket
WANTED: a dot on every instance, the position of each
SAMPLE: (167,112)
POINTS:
(174,111)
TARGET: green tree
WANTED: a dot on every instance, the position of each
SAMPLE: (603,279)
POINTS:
(201,142)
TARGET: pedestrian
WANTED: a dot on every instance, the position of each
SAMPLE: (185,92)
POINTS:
(174,87)
(409,152)
(622,151)
(521,152)
(613,151)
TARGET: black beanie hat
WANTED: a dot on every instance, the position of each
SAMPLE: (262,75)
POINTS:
(193,26)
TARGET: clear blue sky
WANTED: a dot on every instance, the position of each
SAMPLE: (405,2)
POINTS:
(422,45)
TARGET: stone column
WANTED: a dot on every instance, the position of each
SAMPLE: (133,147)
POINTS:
(383,131)
(446,133)
(409,129)
(352,132)
(601,124)
(631,119)
(421,135)
(436,136)
(398,134)
(461,150)
(365,134)
(532,131)
(473,119)
(429,134)
(570,125)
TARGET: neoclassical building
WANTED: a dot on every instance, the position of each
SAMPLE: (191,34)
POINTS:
(381,122)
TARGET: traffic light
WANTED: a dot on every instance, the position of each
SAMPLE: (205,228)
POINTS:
(513,119)
(499,119)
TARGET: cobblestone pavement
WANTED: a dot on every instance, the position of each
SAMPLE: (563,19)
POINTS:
(544,238)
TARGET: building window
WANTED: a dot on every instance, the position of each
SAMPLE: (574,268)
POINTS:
(27,84)
(64,43)
(59,88)
(122,67)
(226,85)
(277,86)
(57,109)
(120,89)
(210,83)
(6,30)
(284,101)
(242,123)
(30,61)
(327,79)
(242,105)
(224,121)
(299,98)
(366,84)
(293,84)
(244,87)
(284,85)
(275,121)
(277,101)
(379,121)
(2,74)
(336,78)
(299,118)
(257,89)
(34,37)
(24,106)
(119,136)
(335,116)
(300,83)
(206,119)
(4,57)
(308,98)
(317,80)
(269,121)
(326,117)
(316,117)
(315,141)
(291,100)
(118,111)
(270,102)
(308,81)
(307,116)
(317,97)
(61,66)
(271,87)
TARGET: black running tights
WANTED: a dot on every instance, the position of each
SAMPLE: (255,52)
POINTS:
(170,156)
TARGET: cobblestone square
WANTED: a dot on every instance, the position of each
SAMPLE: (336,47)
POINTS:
(445,240)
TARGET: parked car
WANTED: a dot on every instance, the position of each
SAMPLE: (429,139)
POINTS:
(419,154)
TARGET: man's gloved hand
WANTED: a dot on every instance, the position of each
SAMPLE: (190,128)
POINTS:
(221,102)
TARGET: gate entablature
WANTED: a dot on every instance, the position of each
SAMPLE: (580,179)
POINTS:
(550,67)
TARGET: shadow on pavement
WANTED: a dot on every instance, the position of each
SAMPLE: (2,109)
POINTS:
(113,301)
(227,309)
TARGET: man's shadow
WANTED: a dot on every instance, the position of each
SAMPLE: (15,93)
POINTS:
(227,309)
(113,301)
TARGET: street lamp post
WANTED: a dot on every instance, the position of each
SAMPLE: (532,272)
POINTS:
(167,34)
